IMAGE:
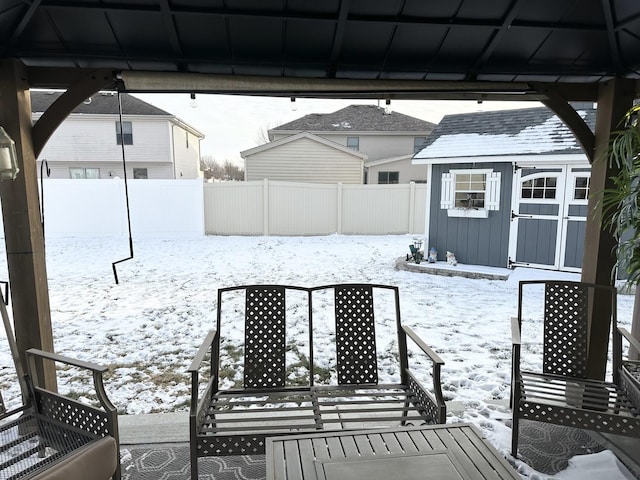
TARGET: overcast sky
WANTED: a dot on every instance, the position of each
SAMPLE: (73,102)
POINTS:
(232,124)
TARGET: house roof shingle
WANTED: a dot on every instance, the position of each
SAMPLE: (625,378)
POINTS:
(530,131)
(358,118)
(101,103)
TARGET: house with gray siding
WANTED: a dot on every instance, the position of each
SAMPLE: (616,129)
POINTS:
(388,139)
(90,141)
(508,188)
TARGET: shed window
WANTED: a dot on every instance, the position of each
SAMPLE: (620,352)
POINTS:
(470,193)
(388,177)
(353,143)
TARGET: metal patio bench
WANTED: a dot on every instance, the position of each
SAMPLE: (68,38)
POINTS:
(557,390)
(305,360)
(54,437)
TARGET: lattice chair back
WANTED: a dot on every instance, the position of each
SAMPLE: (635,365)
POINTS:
(566,327)
(356,361)
(265,337)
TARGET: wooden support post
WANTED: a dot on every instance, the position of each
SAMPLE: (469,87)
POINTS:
(22,227)
(614,99)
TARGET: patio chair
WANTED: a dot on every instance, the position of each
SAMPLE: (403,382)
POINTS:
(552,385)
(307,361)
(55,437)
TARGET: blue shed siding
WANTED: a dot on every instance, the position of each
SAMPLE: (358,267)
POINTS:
(475,241)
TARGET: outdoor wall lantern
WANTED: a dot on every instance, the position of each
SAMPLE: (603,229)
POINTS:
(8,157)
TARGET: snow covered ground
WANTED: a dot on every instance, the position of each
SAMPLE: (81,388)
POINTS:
(148,327)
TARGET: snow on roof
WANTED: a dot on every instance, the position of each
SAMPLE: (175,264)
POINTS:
(507,132)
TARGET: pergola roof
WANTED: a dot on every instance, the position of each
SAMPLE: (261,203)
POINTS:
(512,41)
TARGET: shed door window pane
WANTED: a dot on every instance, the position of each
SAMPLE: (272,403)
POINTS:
(539,188)
(126,133)
(388,177)
(470,190)
(140,173)
(353,143)
(581,190)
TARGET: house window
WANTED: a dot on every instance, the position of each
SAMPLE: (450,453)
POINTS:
(353,143)
(140,173)
(124,133)
(581,188)
(470,193)
(542,187)
(77,172)
(388,177)
(418,142)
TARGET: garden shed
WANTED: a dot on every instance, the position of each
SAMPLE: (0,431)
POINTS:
(509,188)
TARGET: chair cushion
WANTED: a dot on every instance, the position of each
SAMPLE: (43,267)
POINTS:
(95,461)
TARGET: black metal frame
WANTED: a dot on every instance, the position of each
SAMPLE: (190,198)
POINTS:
(53,421)
(561,393)
(237,421)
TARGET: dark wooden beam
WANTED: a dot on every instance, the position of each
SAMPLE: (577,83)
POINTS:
(62,107)
(22,227)
(563,109)
(615,98)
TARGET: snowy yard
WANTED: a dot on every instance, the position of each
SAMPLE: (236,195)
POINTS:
(149,326)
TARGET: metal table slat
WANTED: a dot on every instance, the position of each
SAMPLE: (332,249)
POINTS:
(364,446)
(406,443)
(392,442)
(293,464)
(349,446)
(305,449)
(335,447)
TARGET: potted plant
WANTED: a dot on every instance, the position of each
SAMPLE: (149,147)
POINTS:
(621,204)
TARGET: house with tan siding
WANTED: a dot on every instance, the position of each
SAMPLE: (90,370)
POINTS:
(89,143)
(304,157)
(388,139)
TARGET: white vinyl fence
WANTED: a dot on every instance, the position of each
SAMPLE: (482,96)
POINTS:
(98,208)
(191,207)
(289,208)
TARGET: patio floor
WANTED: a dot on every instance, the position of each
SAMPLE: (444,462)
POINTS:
(157,444)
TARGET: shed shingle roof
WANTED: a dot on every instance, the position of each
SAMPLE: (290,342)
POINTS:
(101,103)
(536,131)
(358,118)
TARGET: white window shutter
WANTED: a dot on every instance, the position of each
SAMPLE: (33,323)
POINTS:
(447,194)
(492,200)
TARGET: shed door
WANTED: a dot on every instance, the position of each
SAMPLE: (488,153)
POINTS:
(549,217)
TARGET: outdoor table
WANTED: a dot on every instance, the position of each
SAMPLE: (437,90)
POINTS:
(429,452)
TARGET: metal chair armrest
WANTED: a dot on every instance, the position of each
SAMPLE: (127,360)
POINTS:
(97,371)
(194,368)
(435,358)
(515,331)
(437,364)
(34,352)
(635,343)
